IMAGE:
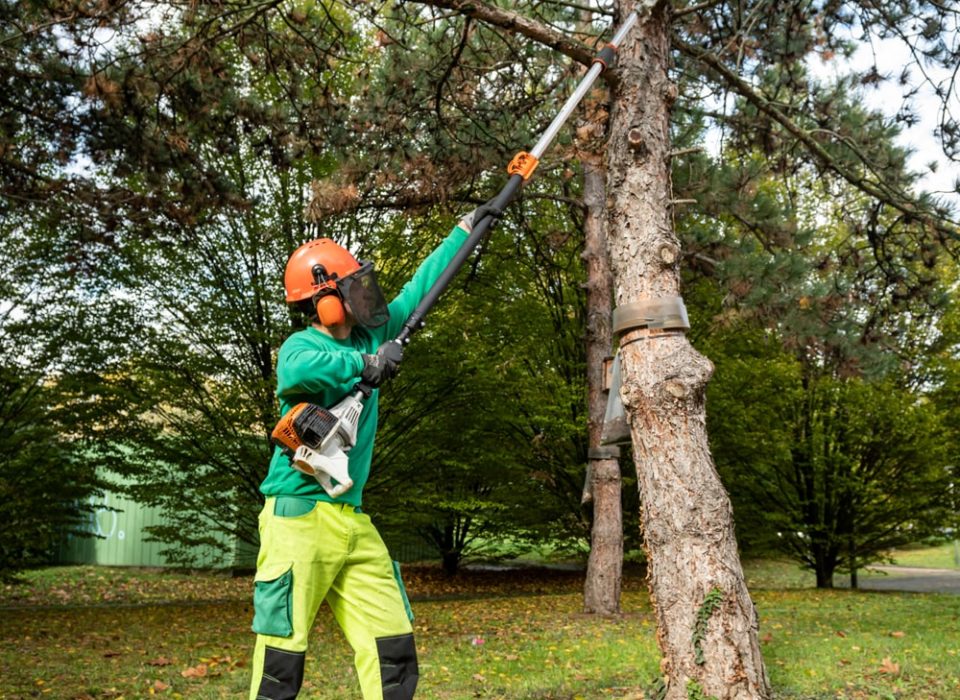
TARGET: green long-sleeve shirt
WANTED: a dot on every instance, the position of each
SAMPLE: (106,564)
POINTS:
(316,368)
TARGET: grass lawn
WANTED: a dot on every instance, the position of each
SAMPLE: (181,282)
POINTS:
(81,633)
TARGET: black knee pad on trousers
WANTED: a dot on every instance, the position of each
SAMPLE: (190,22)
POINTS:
(398,666)
(282,674)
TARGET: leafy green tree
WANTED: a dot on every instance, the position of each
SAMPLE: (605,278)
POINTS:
(851,294)
(945,376)
(830,471)
(44,479)
(476,434)
(47,475)
(187,408)
(838,332)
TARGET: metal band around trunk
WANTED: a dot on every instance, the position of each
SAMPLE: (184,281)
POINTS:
(605,452)
(663,313)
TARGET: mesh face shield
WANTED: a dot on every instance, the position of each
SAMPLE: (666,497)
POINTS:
(363,296)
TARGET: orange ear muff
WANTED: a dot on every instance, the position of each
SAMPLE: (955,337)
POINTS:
(330,310)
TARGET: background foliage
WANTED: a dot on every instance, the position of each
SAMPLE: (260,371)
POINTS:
(159,161)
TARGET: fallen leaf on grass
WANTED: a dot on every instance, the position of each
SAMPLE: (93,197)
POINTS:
(897,634)
(767,638)
(160,661)
(198,671)
(841,633)
(890,666)
(159,686)
(212,662)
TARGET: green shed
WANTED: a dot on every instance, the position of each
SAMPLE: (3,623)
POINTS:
(118,537)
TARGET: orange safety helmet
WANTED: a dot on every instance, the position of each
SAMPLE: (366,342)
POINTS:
(328,275)
(312,272)
(300,279)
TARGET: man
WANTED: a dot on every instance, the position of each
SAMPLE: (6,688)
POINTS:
(314,547)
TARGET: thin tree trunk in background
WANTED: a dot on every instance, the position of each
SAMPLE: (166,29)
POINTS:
(601,590)
(854,580)
(707,625)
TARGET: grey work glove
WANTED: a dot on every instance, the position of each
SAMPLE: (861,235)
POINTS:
(477,214)
(383,365)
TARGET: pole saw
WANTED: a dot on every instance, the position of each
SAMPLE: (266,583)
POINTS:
(318,439)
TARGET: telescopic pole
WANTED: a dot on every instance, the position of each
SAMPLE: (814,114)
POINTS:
(520,169)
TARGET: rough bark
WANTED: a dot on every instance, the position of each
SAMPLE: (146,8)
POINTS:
(707,625)
(601,590)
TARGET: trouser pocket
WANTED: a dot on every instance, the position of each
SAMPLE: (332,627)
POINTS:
(273,601)
(292,507)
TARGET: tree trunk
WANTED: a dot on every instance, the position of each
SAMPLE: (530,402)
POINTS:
(445,538)
(824,564)
(601,590)
(854,580)
(707,625)
(451,563)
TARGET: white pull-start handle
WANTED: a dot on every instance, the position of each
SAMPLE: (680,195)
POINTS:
(326,466)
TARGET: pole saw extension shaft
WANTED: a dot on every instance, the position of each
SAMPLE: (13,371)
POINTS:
(520,169)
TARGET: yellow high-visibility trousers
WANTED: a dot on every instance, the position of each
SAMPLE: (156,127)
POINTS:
(311,551)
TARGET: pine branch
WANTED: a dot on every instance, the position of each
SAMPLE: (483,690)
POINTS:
(884,193)
(584,8)
(694,9)
(453,64)
(515,22)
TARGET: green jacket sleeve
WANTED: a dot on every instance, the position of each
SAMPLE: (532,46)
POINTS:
(413,291)
(303,368)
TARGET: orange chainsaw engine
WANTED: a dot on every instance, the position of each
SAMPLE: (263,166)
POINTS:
(305,424)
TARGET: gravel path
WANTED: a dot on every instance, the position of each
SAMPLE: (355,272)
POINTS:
(912,579)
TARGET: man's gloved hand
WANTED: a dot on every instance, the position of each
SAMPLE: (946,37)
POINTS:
(383,365)
(474,217)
